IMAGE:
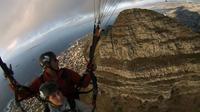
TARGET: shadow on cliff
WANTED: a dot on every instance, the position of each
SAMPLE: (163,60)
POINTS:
(188,18)
(149,63)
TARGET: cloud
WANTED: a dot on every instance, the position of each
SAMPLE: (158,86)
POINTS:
(21,18)
(31,20)
(12,45)
(14,21)
(1,52)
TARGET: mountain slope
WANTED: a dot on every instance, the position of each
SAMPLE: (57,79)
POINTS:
(144,59)
(146,62)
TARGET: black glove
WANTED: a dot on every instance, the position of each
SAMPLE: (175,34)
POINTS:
(91,67)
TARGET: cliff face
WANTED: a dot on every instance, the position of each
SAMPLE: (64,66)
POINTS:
(151,50)
(146,62)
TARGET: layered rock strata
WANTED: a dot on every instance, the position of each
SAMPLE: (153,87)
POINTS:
(146,62)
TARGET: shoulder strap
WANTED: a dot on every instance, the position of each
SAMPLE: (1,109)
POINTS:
(63,74)
(46,107)
(42,77)
(72,104)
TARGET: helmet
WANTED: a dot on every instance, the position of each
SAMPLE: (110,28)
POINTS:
(47,89)
(46,58)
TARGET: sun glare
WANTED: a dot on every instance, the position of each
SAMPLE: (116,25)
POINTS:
(12,45)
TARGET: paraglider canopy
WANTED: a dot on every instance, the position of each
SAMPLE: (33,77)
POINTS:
(104,10)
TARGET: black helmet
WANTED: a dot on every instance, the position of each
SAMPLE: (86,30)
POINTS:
(46,58)
(47,89)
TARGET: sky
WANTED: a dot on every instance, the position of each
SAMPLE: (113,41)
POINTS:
(22,20)
(19,19)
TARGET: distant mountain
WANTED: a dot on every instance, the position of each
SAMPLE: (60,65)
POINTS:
(186,13)
(146,62)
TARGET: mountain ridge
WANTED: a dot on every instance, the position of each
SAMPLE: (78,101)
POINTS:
(144,59)
(145,62)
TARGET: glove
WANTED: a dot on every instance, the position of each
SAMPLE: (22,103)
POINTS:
(23,92)
(91,67)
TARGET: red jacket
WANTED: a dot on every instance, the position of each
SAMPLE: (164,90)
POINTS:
(67,80)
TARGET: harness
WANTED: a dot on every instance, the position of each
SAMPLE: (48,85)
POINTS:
(70,101)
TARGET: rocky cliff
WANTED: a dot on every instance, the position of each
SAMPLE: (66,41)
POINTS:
(146,62)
